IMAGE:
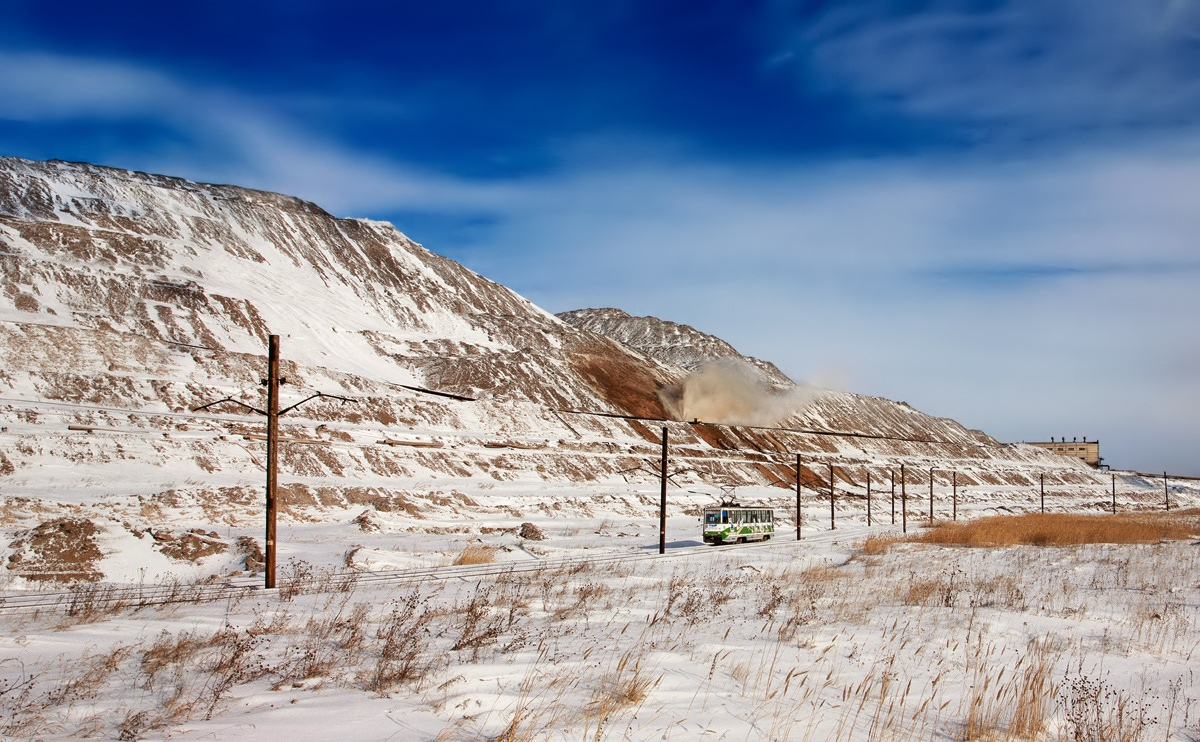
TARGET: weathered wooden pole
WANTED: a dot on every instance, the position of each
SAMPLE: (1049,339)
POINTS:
(272,452)
(868,497)
(799,512)
(1114,492)
(272,413)
(1042,479)
(954,484)
(662,503)
(1166,493)
(931,498)
(892,473)
(903,503)
(832,525)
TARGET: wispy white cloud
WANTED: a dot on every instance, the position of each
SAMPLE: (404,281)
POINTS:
(905,220)
(232,136)
(36,86)
(1040,65)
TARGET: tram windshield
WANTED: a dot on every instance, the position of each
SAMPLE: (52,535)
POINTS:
(712,517)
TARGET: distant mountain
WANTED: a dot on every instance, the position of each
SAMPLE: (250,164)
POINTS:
(681,345)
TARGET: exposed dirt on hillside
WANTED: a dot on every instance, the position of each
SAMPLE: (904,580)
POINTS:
(629,388)
(190,546)
(60,550)
(645,432)
(716,436)
(255,561)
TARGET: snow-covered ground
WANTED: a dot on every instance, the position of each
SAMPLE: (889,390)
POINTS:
(591,634)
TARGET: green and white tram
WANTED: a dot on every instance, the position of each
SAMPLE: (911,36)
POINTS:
(730,523)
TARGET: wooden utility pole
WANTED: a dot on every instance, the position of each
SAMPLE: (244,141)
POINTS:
(1114,492)
(832,525)
(931,498)
(799,512)
(272,452)
(662,505)
(272,413)
(903,503)
(868,497)
(1166,493)
(954,484)
(1042,479)
(892,473)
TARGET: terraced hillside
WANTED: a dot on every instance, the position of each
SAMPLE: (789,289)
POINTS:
(127,300)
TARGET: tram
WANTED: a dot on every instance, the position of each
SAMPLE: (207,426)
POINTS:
(730,523)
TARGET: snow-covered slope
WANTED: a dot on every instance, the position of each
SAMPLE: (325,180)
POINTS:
(681,345)
(127,300)
(216,268)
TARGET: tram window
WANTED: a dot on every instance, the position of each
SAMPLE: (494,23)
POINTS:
(712,517)
(724,516)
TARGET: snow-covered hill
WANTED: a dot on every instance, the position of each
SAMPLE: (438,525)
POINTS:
(127,300)
(681,345)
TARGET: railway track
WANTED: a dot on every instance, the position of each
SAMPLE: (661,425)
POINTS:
(109,596)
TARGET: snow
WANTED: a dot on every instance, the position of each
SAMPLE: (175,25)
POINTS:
(807,639)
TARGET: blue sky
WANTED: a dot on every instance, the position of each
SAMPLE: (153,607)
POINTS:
(987,209)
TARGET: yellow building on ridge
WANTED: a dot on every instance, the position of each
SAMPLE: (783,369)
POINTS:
(1087,451)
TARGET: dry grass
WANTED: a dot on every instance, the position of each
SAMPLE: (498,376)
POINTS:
(476,554)
(404,653)
(624,687)
(1061,529)
(482,622)
(1016,707)
(301,578)
(821,574)
(1097,712)
(877,545)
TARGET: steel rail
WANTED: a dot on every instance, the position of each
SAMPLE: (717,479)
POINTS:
(137,597)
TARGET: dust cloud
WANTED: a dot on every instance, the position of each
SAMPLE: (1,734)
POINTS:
(732,392)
